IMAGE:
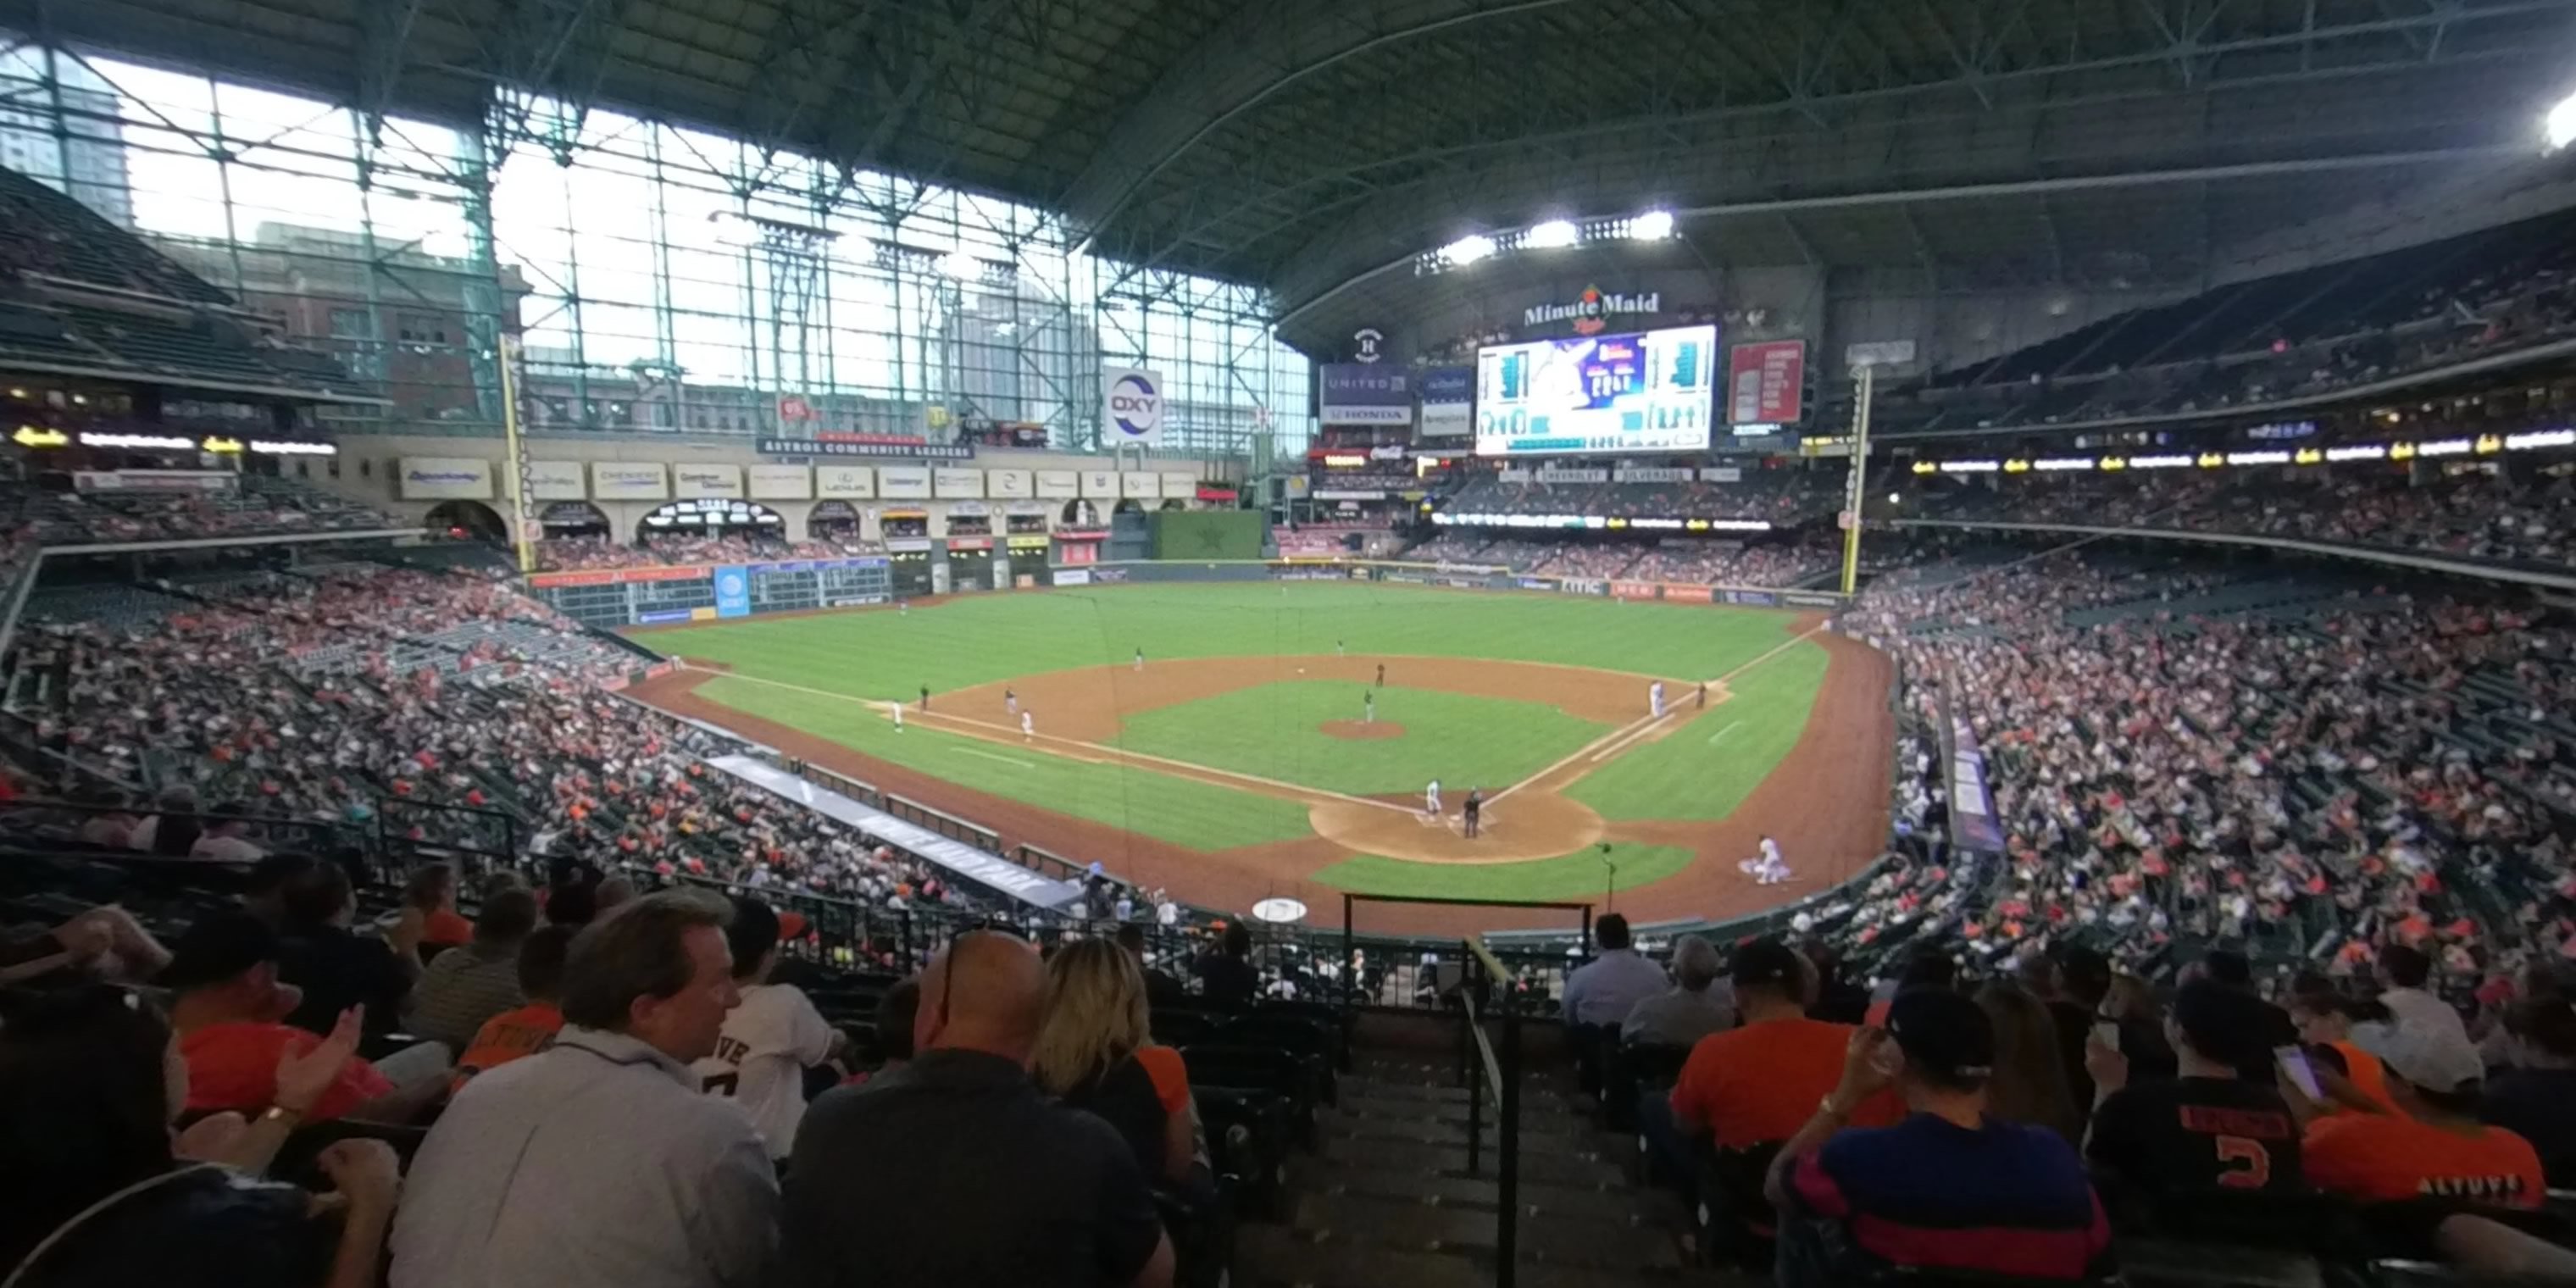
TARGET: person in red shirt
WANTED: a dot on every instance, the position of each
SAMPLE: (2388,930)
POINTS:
(430,900)
(226,1007)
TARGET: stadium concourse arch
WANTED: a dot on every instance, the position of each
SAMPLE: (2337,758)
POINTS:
(472,518)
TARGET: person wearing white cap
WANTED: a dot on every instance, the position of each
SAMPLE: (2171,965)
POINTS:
(2433,1146)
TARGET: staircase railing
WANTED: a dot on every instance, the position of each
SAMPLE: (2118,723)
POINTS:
(1502,1076)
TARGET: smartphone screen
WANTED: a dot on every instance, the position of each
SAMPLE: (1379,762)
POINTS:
(1880,998)
(2107,1033)
(2295,1066)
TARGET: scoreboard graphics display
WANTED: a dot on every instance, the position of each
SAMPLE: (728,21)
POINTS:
(1651,391)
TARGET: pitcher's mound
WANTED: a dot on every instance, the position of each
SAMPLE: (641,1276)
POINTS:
(1362,731)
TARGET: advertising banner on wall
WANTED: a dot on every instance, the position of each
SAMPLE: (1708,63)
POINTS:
(1361,393)
(621,481)
(707,480)
(951,482)
(1765,382)
(733,592)
(1448,402)
(903,482)
(1006,484)
(1139,485)
(1102,484)
(1653,474)
(446,478)
(845,482)
(1131,406)
(1063,485)
(1722,474)
(555,481)
(782,482)
(1181,485)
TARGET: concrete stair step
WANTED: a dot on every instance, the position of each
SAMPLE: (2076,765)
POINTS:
(1595,1201)
(1619,1242)
(1271,1256)
(1401,1156)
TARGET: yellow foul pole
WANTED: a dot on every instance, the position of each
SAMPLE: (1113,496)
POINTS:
(514,464)
(1857,493)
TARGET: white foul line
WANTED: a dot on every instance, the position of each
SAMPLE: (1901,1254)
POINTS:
(1720,735)
(990,756)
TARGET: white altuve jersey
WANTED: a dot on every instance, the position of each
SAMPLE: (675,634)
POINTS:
(760,1061)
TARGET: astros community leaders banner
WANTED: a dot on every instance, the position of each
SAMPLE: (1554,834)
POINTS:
(1448,402)
(1131,408)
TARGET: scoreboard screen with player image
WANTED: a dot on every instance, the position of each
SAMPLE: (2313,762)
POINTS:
(1651,391)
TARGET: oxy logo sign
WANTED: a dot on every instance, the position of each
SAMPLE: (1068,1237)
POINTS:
(1134,405)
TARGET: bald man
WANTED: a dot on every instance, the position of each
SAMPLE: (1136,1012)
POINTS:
(955,1170)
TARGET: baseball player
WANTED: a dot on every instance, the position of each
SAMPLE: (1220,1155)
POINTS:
(1140,659)
(1475,808)
(897,709)
(1381,675)
(1703,695)
(925,697)
(1767,868)
(1655,698)
(1368,707)
(1431,799)
(1010,702)
(1337,648)
(1028,726)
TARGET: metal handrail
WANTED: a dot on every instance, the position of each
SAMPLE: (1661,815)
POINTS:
(1503,1074)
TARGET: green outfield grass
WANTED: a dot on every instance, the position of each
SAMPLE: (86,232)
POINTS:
(982,638)
(1566,877)
(1275,731)
(1707,769)
(1179,810)
(1270,730)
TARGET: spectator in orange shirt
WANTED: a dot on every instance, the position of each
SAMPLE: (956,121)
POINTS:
(527,1029)
(226,1007)
(2434,1147)
(430,898)
(2325,1018)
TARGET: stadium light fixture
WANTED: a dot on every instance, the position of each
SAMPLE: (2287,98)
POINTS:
(2559,127)
(1551,235)
(959,266)
(1654,225)
(1468,249)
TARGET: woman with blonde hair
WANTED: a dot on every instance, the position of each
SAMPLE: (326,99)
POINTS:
(1096,1053)
(2029,1083)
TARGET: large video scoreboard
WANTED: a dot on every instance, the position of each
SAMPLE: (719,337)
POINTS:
(1651,391)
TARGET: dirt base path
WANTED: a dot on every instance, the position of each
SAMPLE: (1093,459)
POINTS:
(1825,803)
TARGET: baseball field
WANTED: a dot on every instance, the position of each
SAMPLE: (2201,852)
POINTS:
(1279,739)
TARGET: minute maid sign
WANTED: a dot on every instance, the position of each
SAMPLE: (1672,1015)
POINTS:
(1589,311)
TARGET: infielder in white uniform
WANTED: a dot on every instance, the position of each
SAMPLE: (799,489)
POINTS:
(1655,698)
(897,708)
(1368,707)
(1011,701)
(1431,799)
(1028,725)
(1767,868)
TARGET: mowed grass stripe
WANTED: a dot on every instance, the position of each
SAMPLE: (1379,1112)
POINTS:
(983,638)
(1178,810)
(1690,778)
(1275,731)
(1580,875)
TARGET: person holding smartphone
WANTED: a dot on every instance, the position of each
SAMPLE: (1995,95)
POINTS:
(2210,1127)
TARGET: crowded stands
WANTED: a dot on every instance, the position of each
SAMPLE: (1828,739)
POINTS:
(661,550)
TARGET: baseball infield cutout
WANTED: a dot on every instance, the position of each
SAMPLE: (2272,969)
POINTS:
(1361,730)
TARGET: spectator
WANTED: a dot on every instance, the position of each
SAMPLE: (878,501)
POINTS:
(1159,987)
(611,892)
(1949,1188)
(2434,1145)
(264,893)
(2535,1097)
(336,968)
(1697,1004)
(532,1027)
(166,833)
(771,1039)
(2029,1082)
(896,1013)
(1599,995)
(2083,981)
(2131,1004)
(674,1187)
(225,1004)
(469,985)
(89,1084)
(2324,1018)
(2210,1128)
(2403,973)
(994,1184)
(1838,1000)
(1750,1087)
(2229,969)
(226,840)
(1096,1053)
(430,899)
(1226,977)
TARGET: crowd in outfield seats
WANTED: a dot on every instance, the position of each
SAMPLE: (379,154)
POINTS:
(1781,496)
(573,554)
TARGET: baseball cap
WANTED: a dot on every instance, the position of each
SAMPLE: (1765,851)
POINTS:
(1766,961)
(2223,1023)
(218,948)
(2434,1059)
(1943,1033)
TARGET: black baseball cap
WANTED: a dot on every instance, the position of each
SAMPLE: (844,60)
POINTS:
(217,948)
(1943,1034)
(2223,1023)
(1767,961)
